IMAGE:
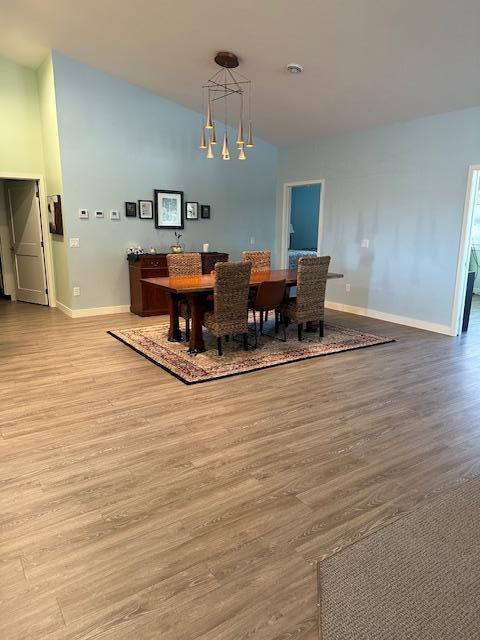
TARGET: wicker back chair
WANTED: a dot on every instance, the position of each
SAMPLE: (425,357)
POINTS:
(309,305)
(230,302)
(260,260)
(184,264)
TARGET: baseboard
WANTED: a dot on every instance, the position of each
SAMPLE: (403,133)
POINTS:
(389,317)
(94,311)
(63,308)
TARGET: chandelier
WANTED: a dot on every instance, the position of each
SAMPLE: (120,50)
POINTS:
(219,88)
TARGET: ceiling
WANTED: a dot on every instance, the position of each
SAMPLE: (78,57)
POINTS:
(367,62)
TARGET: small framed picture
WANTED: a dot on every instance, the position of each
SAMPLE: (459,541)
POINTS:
(205,211)
(131,209)
(169,213)
(99,214)
(191,210)
(145,209)
(114,215)
(55,220)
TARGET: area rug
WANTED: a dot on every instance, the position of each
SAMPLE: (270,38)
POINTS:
(418,578)
(152,343)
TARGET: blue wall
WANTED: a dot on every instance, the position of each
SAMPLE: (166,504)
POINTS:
(402,187)
(118,143)
(305,204)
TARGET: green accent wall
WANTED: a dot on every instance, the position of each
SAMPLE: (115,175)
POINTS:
(21,149)
(53,173)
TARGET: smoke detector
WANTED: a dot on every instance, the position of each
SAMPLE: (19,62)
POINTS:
(293,67)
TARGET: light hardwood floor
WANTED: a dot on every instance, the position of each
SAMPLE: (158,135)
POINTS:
(135,507)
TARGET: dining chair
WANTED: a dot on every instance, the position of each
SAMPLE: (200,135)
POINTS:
(309,304)
(181,265)
(269,296)
(260,260)
(230,302)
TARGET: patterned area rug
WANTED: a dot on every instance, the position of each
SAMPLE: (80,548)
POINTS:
(416,579)
(152,343)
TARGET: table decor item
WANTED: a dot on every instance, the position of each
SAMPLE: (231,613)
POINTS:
(206,247)
(177,248)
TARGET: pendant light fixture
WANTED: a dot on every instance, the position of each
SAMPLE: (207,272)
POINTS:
(231,87)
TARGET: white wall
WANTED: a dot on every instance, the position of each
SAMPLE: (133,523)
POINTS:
(118,143)
(402,187)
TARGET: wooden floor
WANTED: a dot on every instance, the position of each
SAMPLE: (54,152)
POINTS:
(135,507)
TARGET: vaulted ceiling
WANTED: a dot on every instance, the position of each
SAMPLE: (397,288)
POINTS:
(367,62)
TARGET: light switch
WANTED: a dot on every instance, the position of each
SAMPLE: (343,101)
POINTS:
(83,214)
(74,243)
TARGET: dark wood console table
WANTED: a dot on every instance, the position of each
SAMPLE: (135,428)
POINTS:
(147,300)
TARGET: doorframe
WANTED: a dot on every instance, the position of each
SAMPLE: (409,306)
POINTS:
(46,236)
(286,207)
(464,249)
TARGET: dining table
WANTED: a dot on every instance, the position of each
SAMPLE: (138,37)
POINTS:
(195,290)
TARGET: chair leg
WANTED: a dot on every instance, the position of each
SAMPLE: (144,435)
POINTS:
(300,330)
(261,322)
(277,321)
(266,316)
(219,346)
(227,338)
(255,326)
(321,328)
(187,329)
(285,328)
(245,341)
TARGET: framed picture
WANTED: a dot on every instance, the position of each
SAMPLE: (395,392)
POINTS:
(205,209)
(191,210)
(131,209)
(145,209)
(55,220)
(169,209)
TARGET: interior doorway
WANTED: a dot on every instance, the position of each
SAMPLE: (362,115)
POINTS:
(467,291)
(302,220)
(22,242)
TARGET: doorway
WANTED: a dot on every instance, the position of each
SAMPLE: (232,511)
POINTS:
(302,220)
(466,307)
(22,245)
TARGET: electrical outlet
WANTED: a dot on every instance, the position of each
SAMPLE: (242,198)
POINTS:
(114,215)
(83,214)
(252,240)
(76,291)
(74,243)
(365,243)
(347,288)
(98,213)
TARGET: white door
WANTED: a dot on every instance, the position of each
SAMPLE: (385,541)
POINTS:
(27,245)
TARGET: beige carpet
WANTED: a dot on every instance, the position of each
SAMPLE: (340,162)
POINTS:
(151,342)
(416,579)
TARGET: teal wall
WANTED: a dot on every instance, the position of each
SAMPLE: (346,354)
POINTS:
(402,187)
(118,143)
(304,208)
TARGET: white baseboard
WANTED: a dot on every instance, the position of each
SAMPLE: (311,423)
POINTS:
(389,317)
(94,311)
(63,308)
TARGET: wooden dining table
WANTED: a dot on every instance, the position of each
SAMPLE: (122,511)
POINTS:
(196,288)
